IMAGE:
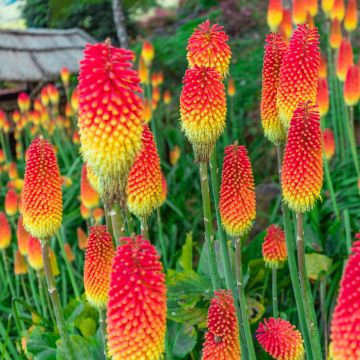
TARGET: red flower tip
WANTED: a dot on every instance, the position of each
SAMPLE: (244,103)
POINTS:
(274,247)
(329,144)
(275,49)
(345,332)
(89,196)
(302,171)
(345,59)
(11,202)
(144,186)
(351,16)
(136,315)
(274,14)
(299,72)
(203,109)
(97,268)
(22,237)
(34,254)
(352,85)
(5,232)
(280,339)
(24,102)
(208,47)
(322,97)
(41,195)
(237,193)
(147,52)
(335,34)
(222,338)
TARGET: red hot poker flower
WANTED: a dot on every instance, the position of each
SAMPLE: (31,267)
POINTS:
(329,144)
(136,315)
(352,85)
(274,247)
(322,97)
(5,232)
(345,59)
(274,14)
(89,196)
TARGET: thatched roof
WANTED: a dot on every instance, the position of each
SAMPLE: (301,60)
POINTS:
(38,54)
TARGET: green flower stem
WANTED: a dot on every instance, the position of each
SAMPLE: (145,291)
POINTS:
(242,300)
(274,293)
(68,267)
(102,320)
(230,283)
(209,230)
(42,295)
(34,293)
(347,231)
(117,223)
(48,302)
(331,187)
(293,267)
(129,222)
(54,295)
(7,273)
(323,314)
(144,228)
(306,289)
(351,138)
(24,289)
(162,239)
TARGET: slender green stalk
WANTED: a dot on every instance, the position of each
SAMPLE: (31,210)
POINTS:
(323,314)
(24,289)
(306,290)
(162,239)
(60,320)
(68,267)
(331,187)
(144,228)
(129,222)
(352,143)
(274,293)
(347,231)
(293,267)
(117,223)
(242,300)
(42,295)
(7,273)
(102,319)
(48,303)
(340,117)
(230,283)
(209,231)
(34,293)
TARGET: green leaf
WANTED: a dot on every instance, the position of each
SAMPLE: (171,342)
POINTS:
(41,345)
(316,264)
(85,349)
(256,310)
(185,341)
(186,253)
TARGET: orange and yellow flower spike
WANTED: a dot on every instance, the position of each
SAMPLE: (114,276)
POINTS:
(110,115)
(20,266)
(23,102)
(275,49)
(143,71)
(174,155)
(82,238)
(237,192)
(345,333)
(298,79)
(274,14)
(329,144)
(312,7)
(231,89)
(351,16)
(280,339)
(345,59)
(323,67)
(338,10)
(98,214)
(69,253)
(222,337)
(97,268)
(203,109)
(137,296)
(286,26)
(327,6)
(85,212)
(322,98)
(335,34)
(147,52)
(147,114)
(22,237)
(167,97)
(13,171)
(274,247)
(74,100)
(5,232)
(144,186)
(302,170)
(208,47)
(299,12)
(41,195)
(11,202)
(65,76)
(352,86)
(88,195)
(34,254)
